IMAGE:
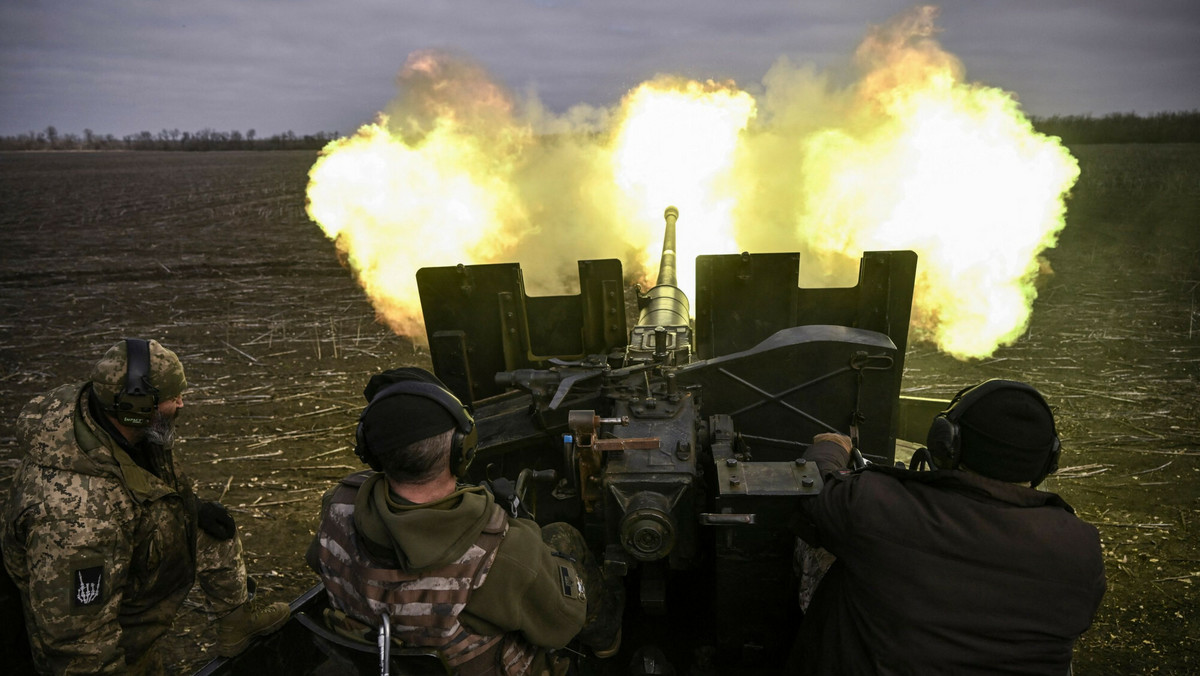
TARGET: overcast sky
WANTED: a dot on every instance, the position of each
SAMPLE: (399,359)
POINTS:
(123,66)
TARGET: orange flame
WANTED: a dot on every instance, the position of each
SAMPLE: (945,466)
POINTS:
(909,157)
(948,169)
(676,144)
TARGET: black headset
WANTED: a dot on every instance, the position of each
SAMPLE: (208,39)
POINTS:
(462,444)
(945,435)
(134,406)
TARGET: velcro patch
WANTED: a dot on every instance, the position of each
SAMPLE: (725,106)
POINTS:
(88,587)
(572,584)
(568,588)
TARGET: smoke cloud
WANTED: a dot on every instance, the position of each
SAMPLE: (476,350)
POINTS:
(906,154)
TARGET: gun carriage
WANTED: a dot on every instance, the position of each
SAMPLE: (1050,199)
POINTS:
(675,444)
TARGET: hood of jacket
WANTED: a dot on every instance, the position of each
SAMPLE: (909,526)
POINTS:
(420,537)
(57,431)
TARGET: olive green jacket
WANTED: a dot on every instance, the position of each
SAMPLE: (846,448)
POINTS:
(524,588)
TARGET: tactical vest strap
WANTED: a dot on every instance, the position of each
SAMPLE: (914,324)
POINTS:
(423,608)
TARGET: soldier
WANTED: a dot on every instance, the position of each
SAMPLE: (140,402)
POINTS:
(104,537)
(450,568)
(966,569)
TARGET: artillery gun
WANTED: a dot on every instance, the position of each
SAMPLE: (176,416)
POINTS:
(676,443)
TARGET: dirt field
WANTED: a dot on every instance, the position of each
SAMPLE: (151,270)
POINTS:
(214,255)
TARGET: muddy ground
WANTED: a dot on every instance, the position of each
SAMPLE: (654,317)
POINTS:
(213,255)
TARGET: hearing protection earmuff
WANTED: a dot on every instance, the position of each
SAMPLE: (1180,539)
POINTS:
(134,406)
(944,440)
(462,444)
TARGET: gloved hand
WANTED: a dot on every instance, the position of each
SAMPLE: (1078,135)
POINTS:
(839,439)
(505,493)
(215,520)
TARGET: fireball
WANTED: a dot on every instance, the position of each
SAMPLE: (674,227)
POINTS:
(910,156)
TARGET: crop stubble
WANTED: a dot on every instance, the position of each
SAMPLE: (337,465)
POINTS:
(212,253)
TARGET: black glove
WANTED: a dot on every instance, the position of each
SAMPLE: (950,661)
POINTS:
(505,492)
(215,520)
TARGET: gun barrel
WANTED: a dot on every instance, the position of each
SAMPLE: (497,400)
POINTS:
(666,304)
(666,265)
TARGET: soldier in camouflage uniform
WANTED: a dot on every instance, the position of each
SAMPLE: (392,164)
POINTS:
(104,537)
(451,568)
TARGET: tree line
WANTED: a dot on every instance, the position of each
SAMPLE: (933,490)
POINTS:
(168,139)
(1178,127)
(1181,127)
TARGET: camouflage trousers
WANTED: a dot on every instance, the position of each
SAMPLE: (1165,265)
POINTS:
(605,597)
(221,577)
(221,573)
(810,563)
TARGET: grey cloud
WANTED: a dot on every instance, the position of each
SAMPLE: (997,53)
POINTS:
(312,65)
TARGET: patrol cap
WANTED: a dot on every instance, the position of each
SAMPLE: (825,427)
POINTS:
(166,372)
(1008,435)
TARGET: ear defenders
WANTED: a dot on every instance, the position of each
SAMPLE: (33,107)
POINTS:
(134,406)
(462,443)
(944,440)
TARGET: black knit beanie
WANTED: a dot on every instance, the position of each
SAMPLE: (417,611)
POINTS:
(399,420)
(1008,435)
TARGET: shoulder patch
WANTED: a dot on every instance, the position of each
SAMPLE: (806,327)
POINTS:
(572,585)
(88,587)
(568,589)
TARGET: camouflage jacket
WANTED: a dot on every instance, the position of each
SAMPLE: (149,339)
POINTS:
(457,574)
(102,550)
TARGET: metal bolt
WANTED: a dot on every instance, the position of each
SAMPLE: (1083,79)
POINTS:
(730,462)
(801,461)
(734,481)
(807,482)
